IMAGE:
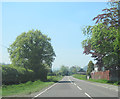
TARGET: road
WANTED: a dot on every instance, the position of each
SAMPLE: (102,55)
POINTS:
(72,87)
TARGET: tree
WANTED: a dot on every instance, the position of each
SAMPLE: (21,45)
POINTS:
(90,68)
(74,69)
(33,50)
(64,70)
(110,15)
(111,18)
(103,39)
(101,46)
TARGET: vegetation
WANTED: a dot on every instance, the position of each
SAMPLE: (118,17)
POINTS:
(83,77)
(31,55)
(54,78)
(90,68)
(28,87)
(0,91)
(24,88)
(103,39)
(101,46)
(33,50)
(64,70)
(14,75)
(74,69)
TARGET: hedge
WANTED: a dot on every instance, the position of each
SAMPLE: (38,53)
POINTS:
(13,74)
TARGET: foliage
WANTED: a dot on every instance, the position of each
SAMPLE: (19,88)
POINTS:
(33,50)
(64,70)
(74,69)
(103,39)
(55,73)
(101,45)
(111,18)
(83,77)
(14,75)
(90,67)
(28,87)
(54,78)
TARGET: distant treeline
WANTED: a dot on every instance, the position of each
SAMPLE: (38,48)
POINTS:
(65,70)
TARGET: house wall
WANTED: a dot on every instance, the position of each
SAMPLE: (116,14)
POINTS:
(101,75)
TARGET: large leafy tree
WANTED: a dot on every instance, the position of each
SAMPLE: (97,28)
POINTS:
(33,50)
(103,39)
(111,18)
(101,45)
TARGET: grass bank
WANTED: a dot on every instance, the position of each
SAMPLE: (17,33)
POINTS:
(83,77)
(28,87)
(0,91)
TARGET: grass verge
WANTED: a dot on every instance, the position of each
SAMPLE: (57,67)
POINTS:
(83,77)
(0,92)
(28,87)
(78,76)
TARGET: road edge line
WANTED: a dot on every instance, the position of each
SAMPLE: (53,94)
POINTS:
(88,95)
(79,88)
(44,91)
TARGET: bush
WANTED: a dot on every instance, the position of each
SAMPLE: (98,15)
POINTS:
(14,75)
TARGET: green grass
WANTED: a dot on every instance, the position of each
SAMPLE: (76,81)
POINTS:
(83,77)
(116,83)
(0,91)
(28,87)
(54,78)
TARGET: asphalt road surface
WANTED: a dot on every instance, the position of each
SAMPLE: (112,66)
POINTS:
(72,87)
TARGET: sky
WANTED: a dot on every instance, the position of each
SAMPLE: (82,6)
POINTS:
(61,21)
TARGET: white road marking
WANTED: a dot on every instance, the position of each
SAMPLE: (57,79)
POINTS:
(88,95)
(44,91)
(97,85)
(75,84)
(70,80)
(79,88)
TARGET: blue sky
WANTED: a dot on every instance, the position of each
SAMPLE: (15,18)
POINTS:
(61,21)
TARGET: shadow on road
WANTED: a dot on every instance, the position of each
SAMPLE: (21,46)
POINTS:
(65,81)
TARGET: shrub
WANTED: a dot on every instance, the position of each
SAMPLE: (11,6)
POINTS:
(14,75)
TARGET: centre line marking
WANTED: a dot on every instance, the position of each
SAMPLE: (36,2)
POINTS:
(79,88)
(88,95)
